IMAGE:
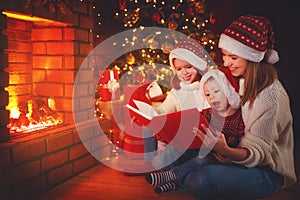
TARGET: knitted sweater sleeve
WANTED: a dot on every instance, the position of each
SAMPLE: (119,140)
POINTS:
(269,133)
(259,133)
(265,123)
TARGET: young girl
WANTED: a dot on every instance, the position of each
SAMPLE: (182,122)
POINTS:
(188,61)
(263,162)
(221,92)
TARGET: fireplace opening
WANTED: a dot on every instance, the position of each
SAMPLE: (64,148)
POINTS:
(41,72)
(32,115)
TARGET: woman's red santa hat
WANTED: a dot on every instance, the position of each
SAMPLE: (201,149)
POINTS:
(250,37)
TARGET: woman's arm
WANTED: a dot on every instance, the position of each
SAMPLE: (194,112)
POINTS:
(217,142)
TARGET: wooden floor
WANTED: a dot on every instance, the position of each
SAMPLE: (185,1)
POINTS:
(102,182)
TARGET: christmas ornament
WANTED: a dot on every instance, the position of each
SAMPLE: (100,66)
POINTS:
(200,7)
(212,19)
(122,4)
(130,59)
(156,17)
(166,47)
(135,17)
(191,10)
(153,44)
(172,25)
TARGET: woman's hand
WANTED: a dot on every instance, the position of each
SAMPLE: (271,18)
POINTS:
(222,159)
(216,141)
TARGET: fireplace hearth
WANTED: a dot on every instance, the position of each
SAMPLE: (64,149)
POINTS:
(40,54)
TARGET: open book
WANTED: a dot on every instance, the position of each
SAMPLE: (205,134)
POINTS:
(176,128)
(145,110)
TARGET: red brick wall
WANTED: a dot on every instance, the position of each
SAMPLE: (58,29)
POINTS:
(35,164)
(19,53)
(41,60)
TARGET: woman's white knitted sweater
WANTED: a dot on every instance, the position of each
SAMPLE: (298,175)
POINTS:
(269,132)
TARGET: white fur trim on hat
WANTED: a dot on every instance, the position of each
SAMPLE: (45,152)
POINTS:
(190,57)
(232,95)
(237,48)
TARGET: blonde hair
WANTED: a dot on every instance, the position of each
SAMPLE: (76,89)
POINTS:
(258,76)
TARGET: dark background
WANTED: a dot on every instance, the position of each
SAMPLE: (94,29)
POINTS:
(284,16)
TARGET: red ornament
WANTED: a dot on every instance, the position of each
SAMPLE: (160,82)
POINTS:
(122,4)
(156,17)
(191,10)
(212,19)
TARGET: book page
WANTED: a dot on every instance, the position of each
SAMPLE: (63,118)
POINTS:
(138,112)
(145,108)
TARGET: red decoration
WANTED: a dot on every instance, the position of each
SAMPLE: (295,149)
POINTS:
(191,10)
(212,19)
(156,17)
(137,92)
(133,139)
(122,4)
(108,85)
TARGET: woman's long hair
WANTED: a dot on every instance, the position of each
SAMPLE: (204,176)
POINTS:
(257,76)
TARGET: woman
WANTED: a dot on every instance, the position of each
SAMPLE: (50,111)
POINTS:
(263,162)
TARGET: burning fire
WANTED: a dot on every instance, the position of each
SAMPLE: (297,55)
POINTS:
(32,115)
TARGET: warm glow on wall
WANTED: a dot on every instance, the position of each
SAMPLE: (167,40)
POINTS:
(30,18)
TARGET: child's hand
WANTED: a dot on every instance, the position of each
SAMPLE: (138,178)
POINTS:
(211,138)
(208,136)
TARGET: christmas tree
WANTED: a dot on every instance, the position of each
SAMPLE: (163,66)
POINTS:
(189,17)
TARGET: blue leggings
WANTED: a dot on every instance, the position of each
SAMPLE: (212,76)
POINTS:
(221,181)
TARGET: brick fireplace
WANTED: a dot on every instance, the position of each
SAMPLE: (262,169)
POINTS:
(40,54)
